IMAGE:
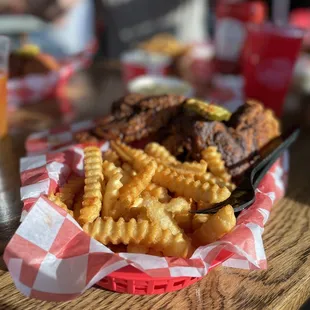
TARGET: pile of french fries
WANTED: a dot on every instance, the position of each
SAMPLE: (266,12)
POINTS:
(139,201)
(163,43)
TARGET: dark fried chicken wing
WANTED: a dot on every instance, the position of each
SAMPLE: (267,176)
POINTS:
(239,141)
(136,116)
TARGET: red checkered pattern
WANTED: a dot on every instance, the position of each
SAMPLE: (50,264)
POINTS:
(55,138)
(61,261)
(36,87)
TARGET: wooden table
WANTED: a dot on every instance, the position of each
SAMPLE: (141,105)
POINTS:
(286,283)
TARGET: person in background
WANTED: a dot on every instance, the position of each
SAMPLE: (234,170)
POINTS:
(67,25)
(48,10)
(128,22)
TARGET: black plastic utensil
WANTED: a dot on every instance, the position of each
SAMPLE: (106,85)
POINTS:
(244,195)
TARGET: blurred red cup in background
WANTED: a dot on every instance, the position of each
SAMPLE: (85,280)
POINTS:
(269,56)
(232,18)
(301,18)
(136,62)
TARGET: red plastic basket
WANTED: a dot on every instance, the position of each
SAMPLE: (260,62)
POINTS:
(35,87)
(130,280)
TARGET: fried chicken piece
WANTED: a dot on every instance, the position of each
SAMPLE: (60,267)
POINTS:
(130,100)
(127,105)
(161,102)
(240,141)
(252,120)
(136,117)
(196,135)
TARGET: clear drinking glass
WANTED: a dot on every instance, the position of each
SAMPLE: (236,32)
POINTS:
(4,55)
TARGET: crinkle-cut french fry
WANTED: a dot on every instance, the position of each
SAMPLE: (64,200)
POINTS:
(203,205)
(109,169)
(139,232)
(215,163)
(128,173)
(139,213)
(176,182)
(189,188)
(191,167)
(142,215)
(137,248)
(212,179)
(215,227)
(140,159)
(137,203)
(126,167)
(126,178)
(199,219)
(208,177)
(231,186)
(161,153)
(111,196)
(156,213)
(156,191)
(78,205)
(56,200)
(135,211)
(155,252)
(131,191)
(111,156)
(92,198)
(184,220)
(177,205)
(118,148)
(137,158)
(70,189)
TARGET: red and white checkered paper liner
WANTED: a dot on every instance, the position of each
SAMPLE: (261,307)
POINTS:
(56,138)
(51,258)
(35,87)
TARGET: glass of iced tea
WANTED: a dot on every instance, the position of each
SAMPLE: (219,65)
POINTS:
(4,55)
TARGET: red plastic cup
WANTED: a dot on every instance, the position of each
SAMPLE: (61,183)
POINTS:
(137,62)
(270,53)
(232,18)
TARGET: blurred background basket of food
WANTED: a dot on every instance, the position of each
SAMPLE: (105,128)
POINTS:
(43,55)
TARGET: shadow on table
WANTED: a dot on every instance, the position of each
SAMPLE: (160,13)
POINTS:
(299,177)
(10,203)
(5,306)
(306,305)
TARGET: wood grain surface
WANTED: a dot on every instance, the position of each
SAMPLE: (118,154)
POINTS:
(284,285)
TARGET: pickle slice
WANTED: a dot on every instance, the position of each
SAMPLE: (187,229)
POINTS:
(208,111)
(29,50)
